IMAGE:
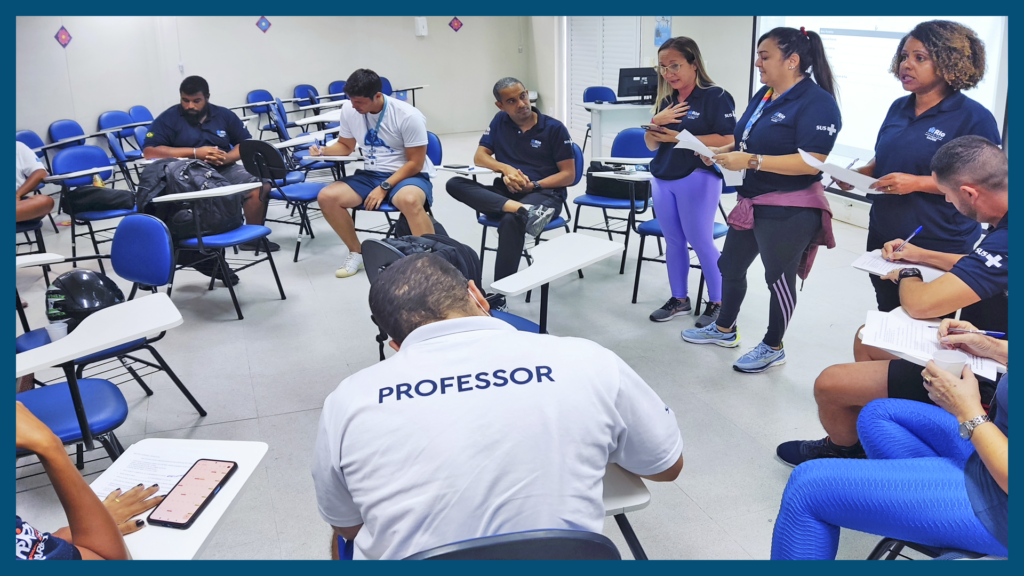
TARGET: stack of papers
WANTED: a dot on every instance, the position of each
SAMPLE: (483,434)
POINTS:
(860,182)
(874,263)
(690,142)
(914,339)
(146,469)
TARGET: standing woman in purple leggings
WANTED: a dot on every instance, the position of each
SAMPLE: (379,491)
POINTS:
(686,191)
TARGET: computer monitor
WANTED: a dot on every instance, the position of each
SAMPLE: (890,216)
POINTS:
(638,82)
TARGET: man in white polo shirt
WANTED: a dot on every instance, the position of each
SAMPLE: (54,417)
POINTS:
(474,429)
(392,138)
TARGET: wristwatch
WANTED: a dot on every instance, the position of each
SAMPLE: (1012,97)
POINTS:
(967,428)
(536,185)
(908,273)
(385,186)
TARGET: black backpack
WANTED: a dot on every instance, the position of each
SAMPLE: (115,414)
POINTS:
(611,188)
(217,215)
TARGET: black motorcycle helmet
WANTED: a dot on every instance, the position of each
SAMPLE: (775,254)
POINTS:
(76,294)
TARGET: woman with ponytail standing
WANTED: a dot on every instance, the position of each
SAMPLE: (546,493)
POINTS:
(686,191)
(782,213)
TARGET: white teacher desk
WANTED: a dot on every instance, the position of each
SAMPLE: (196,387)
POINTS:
(160,542)
(614,118)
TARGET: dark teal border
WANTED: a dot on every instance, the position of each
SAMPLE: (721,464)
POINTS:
(549,7)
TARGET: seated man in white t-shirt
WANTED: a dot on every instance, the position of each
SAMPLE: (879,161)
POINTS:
(475,429)
(392,137)
(28,175)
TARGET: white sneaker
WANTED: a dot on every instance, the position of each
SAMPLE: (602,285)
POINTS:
(352,265)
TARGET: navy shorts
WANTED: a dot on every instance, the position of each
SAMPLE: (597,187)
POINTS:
(364,181)
(236,173)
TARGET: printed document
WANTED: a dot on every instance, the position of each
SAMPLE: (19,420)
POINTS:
(860,182)
(874,263)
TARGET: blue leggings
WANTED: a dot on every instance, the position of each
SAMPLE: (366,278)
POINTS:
(911,488)
(686,211)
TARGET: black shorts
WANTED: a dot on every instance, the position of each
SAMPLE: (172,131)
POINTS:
(236,173)
(905,382)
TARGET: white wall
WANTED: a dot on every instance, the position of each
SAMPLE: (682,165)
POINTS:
(546,56)
(726,46)
(113,63)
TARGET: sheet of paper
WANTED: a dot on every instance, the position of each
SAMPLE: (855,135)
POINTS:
(897,332)
(860,182)
(688,141)
(145,469)
(874,263)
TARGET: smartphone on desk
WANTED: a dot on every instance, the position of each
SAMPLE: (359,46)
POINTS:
(189,497)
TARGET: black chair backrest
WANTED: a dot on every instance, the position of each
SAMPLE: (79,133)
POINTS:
(262,159)
(529,545)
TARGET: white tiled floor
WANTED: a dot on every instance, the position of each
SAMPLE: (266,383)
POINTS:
(266,377)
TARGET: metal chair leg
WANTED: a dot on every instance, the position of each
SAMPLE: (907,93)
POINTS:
(95,245)
(226,271)
(639,262)
(266,244)
(135,375)
(174,377)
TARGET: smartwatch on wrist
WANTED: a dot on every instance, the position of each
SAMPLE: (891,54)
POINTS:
(385,186)
(536,185)
(908,273)
(967,428)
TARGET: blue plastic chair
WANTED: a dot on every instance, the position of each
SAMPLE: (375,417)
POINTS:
(653,228)
(385,87)
(265,161)
(307,91)
(528,545)
(103,410)
(492,221)
(627,144)
(122,157)
(140,136)
(117,118)
(140,114)
(260,96)
(83,158)
(435,154)
(300,153)
(141,252)
(593,94)
(337,87)
(212,247)
(62,129)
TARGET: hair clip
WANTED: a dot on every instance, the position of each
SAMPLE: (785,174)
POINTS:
(803,31)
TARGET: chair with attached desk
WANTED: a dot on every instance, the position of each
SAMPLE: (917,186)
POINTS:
(265,161)
(141,253)
(307,96)
(140,136)
(490,221)
(140,114)
(628,144)
(113,119)
(76,159)
(593,94)
(385,87)
(264,109)
(528,545)
(299,153)
(435,153)
(122,158)
(63,129)
(35,241)
(212,246)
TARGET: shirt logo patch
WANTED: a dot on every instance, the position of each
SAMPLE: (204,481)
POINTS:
(693,115)
(149,134)
(487,131)
(991,260)
(222,134)
(535,143)
(569,141)
(730,114)
(778,117)
(830,129)
(934,134)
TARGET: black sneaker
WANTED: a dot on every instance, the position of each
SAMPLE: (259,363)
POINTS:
(210,268)
(257,245)
(797,452)
(710,315)
(537,217)
(674,307)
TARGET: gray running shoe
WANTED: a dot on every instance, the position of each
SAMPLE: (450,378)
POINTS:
(537,218)
(674,307)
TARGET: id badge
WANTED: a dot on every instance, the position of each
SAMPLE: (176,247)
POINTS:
(370,161)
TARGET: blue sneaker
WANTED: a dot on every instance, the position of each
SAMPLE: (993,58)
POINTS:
(710,334)
(761,358)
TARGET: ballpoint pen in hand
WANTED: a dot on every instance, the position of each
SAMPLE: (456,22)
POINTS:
(833,181)
(907,241)
(991,333)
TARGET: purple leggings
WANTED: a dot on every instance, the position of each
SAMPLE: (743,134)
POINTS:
(686,212)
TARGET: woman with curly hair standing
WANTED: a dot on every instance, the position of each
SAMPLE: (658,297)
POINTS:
(935,62)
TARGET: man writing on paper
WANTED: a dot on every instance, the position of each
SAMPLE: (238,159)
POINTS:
(535,157)
(475,429)
(197,129)
(974,176)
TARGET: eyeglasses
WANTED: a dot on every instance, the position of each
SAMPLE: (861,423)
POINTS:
(666,69)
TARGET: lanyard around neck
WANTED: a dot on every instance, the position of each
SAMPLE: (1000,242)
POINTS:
(376,128)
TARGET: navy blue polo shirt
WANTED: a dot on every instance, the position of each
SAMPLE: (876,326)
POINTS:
(805,117)
(712,111)
(987,271)
(906,143)
(536,152)
(222,128)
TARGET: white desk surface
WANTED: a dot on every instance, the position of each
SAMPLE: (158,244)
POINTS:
(37,260)
(352,158)
(471,171)
(322,96)
(419,87)
(610,106)
(556,258)
(620,160)
(132,125)
(332,116)
(249,117)
(306,138)
(162,543)
(109,327)
(70,175)
(252,104)
(334,104)
(623,491)
(209,193)
(634,176)
(288,100)
(63,141)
